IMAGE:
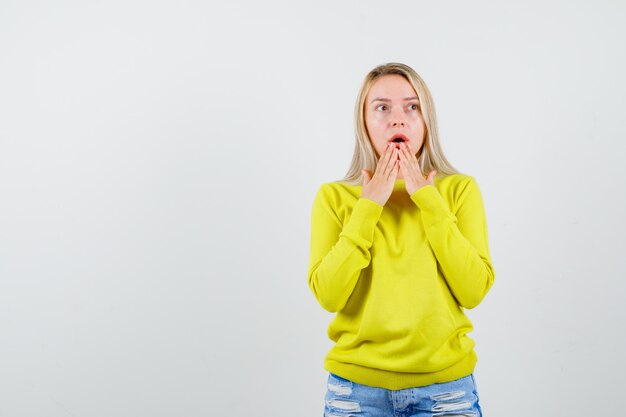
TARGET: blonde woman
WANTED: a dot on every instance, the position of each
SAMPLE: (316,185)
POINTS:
(398,251)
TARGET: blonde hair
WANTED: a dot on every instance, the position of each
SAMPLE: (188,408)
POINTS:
(430,156)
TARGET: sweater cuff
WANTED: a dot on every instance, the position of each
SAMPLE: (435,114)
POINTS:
(362,223)
(429,199)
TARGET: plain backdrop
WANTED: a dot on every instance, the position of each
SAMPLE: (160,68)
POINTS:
(158,163)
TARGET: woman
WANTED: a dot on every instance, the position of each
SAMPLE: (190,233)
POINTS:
(398,254)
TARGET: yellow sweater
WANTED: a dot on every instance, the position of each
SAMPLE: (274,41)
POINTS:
(398,276)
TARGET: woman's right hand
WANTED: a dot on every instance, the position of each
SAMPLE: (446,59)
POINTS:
(379,187)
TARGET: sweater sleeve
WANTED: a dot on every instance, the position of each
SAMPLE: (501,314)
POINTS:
(339,252)
(459,241)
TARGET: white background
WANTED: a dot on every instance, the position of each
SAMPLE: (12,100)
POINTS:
(159,159)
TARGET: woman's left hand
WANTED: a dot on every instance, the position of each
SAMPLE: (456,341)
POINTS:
(411,171)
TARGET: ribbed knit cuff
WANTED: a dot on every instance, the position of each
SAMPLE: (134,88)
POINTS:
(362,223)
(428,198)
(433,206)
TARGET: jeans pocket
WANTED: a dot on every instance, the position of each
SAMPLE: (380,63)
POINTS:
(339,397)
(338,385)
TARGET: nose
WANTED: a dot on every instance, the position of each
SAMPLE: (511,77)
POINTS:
(397,119)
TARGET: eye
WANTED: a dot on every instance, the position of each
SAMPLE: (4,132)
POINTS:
(380,105)
(416,106)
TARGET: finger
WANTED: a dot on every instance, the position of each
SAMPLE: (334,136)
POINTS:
(413,163)
(403,167)
(407,164)
(405,154)
(391,163)
(394,171)
(382,162)
(418,169)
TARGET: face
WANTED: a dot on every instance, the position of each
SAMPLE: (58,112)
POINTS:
(391,110)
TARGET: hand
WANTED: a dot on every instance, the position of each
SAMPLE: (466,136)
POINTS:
(411,171)
(379,187)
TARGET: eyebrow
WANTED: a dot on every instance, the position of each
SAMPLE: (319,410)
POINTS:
(386,99)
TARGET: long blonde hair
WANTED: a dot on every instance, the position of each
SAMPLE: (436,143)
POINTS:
(430,156)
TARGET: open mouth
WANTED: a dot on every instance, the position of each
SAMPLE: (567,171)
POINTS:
(399,138)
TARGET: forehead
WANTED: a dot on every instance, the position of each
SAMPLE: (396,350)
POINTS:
(392,86)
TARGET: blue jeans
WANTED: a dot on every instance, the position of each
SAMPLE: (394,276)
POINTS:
(345,398)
